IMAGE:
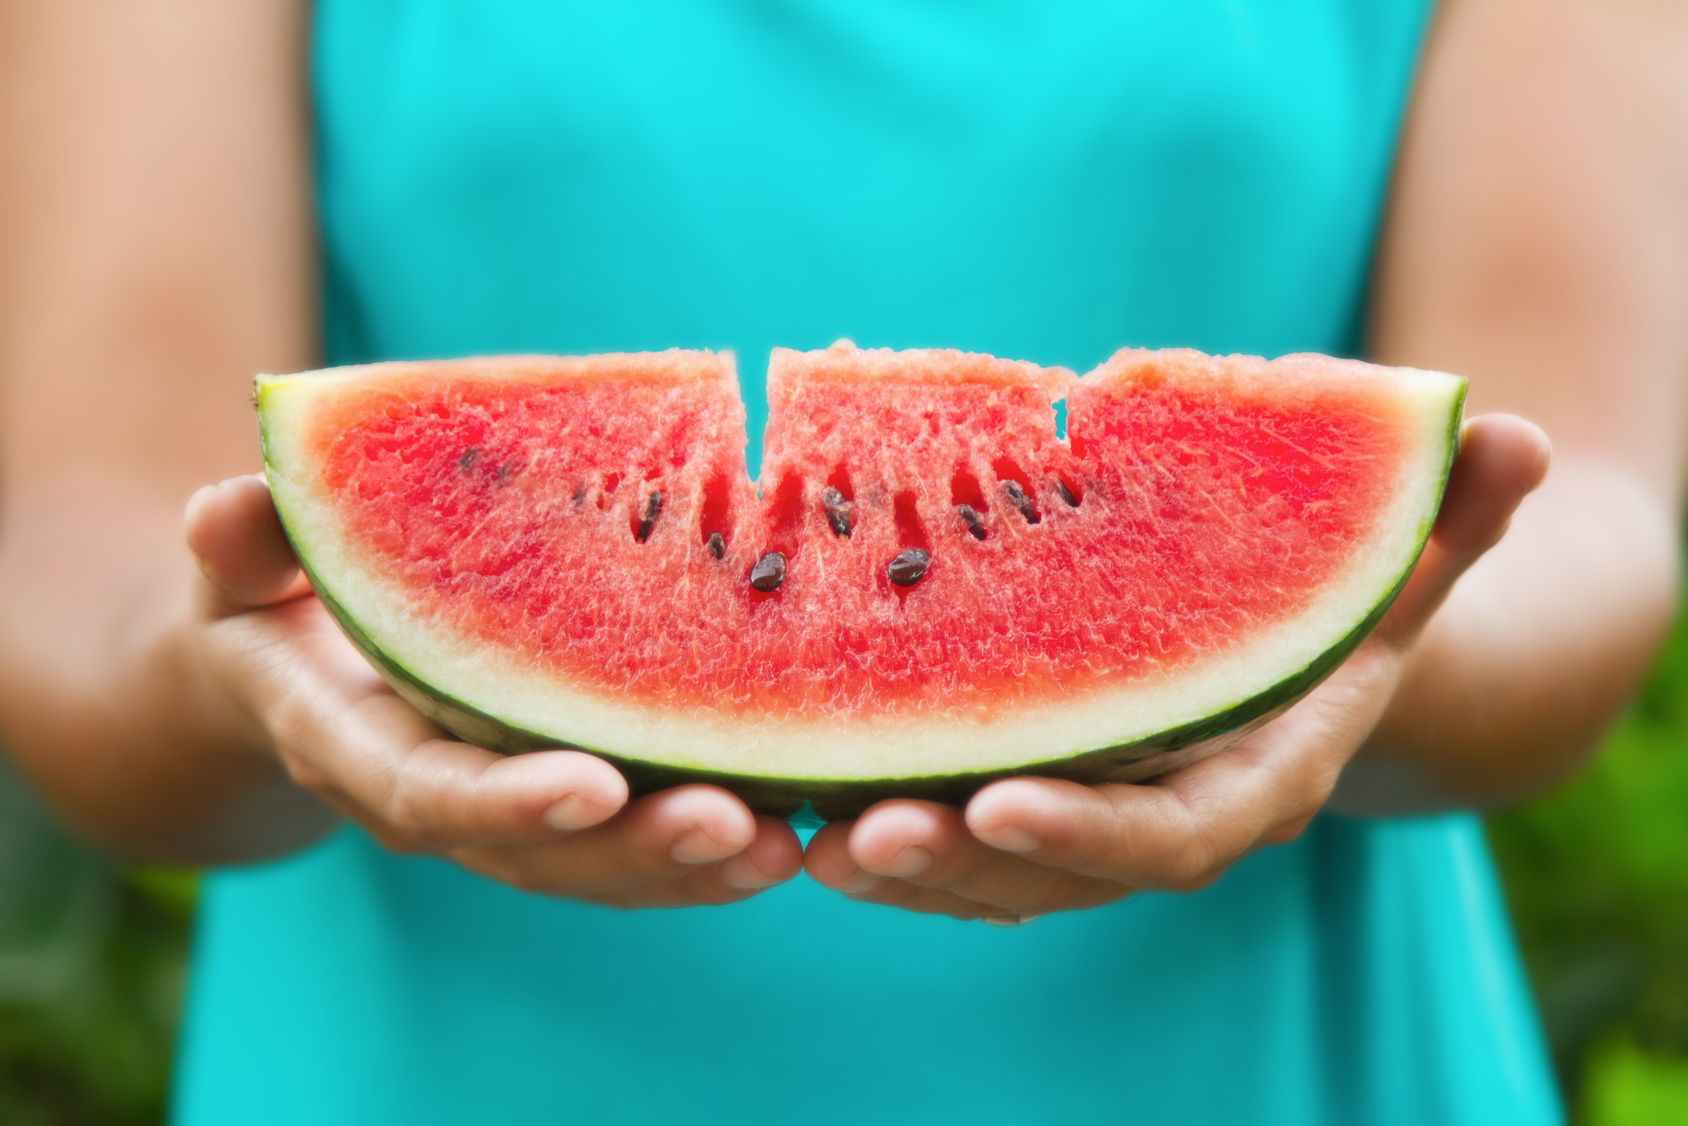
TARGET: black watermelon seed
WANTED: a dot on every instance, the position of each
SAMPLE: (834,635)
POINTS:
(838,511)
(647,521)
(1018,498)
(971,518)
(768,573)
(717,545)
(908,567)
(467,461)
(1065,493)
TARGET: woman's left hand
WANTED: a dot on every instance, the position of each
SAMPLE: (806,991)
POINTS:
(1024,847)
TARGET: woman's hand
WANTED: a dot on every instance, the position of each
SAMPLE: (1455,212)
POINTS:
(1027,846)
(554,822)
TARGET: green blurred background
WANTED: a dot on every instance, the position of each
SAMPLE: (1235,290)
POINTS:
(92,956)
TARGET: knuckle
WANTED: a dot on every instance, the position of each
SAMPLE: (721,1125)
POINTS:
(405,815)
(392,839)
(1108,838)
(1043,904)
(644,896)
(529,882)
(618,900)
(298,743)
(1191,868)
(288,718)
(641,861)
(526,878)
(401,816)
(1196,882)
(303,772)
(1041,892)
(1094,850)
(1104,891)
(955,873)
(962,909)
(1303,804)
(1317,791)
(715,893)
(886,893)
(866,893)
(1075,894)
(1290,829)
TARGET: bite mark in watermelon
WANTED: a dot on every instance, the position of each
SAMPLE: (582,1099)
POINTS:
(929,590)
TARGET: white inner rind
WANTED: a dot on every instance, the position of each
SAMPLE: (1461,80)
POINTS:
(847,747)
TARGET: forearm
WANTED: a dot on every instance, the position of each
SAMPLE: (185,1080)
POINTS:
(154,253)
(1535,652)
(105,699)
(1537,243)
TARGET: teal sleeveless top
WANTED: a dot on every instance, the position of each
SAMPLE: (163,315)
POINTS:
(1042,180)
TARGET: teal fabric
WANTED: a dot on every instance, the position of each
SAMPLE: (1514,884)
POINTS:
(1041,180)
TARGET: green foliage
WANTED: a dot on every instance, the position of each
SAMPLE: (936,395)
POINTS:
(99,1052)
(1628,1087)
(91,968)
(1597,876)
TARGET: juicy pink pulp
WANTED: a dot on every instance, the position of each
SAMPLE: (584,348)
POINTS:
(1209,498)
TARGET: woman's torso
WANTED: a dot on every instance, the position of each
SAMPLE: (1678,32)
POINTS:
(1041,181)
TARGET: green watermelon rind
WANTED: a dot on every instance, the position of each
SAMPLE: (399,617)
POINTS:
(834,798)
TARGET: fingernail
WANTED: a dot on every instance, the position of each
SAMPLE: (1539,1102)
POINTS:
(1010,838)
(864,882)
(572,812)
(740,872)
(911,861)
(1011,920)
(695,847)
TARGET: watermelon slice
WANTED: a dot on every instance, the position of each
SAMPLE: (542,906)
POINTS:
(930,589)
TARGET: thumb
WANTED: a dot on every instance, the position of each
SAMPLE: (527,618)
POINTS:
(234,533)
(1502,459)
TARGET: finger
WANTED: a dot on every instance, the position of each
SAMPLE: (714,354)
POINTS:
(374,758)
(1502,460)
(929,845)
(234,533)
(1177,834)
(663,837)
(1147,838)
(827,860)
(773,856)
(341,732)
(446,795)
(1185,828)
(929,901)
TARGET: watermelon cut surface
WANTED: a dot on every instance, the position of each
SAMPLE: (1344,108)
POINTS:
(929,589)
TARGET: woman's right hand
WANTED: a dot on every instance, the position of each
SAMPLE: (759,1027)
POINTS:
(552,822)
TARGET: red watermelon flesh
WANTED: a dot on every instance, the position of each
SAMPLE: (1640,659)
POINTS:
(559,551)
